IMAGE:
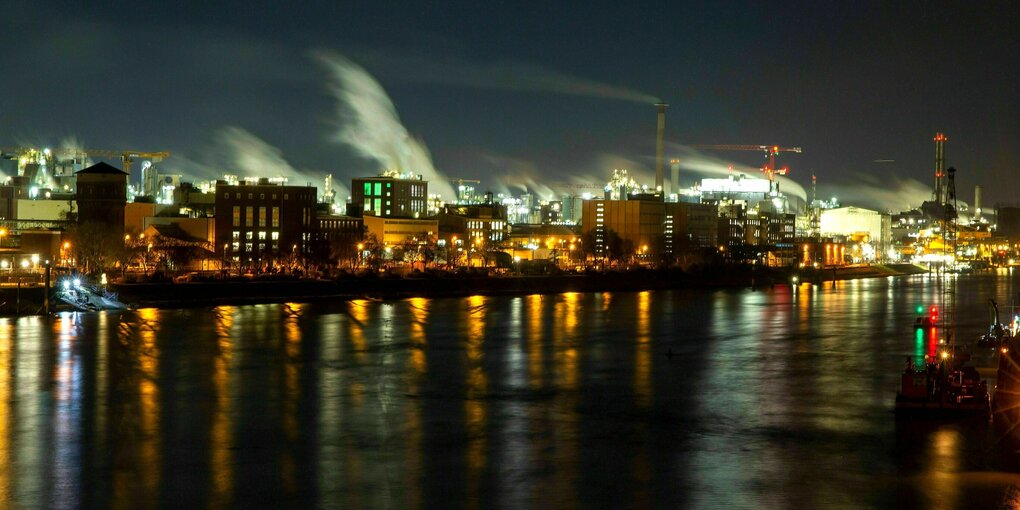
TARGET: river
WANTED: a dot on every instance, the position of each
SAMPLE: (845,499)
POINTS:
(779,398)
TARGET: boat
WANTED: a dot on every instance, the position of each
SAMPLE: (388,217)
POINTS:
(945,387)
(997,331)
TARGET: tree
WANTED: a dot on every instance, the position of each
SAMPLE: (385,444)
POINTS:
(97,247)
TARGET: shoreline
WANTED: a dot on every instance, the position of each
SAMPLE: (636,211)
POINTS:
(197,294)
(247,292)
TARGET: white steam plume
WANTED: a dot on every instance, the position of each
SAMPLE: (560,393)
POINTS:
(514,173)
(888,194)
(708,166)
(368,122)
(499,75)
(72,143)
(237,151)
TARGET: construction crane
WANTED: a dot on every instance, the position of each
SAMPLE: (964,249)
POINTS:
(571,185)
(460,182)
(126,157)
(771,151)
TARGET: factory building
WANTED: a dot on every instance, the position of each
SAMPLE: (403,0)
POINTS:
(258,222)
(337,237)
(389,196)
(541,242)
(394,231)
(860,225)
(753,234)
(467,222)
(646,221)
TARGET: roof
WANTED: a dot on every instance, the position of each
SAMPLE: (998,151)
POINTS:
(101,168)
(174,231)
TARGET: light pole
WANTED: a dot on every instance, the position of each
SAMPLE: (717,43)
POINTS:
(361,253)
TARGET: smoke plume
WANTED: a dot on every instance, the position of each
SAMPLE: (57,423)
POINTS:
(708,166)
(238,151)
(888,194)
(368,123)
(499,75)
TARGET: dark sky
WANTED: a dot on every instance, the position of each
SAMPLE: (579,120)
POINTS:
(514,88)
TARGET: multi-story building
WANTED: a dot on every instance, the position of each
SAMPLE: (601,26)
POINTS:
(486,221)
(394,231)
(389,197)
(101,196)
(337,237)
(645,221)
(258,222)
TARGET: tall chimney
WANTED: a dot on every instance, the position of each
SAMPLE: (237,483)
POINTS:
(674,176)
(938,194)
(660,133)
(977,202)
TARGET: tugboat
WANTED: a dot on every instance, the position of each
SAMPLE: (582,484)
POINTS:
(944,387)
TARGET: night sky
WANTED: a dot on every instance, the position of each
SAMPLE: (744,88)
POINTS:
(518,91)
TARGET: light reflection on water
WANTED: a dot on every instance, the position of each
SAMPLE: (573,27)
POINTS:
(778,397)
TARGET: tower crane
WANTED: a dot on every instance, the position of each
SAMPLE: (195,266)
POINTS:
(126,157)
(771,151)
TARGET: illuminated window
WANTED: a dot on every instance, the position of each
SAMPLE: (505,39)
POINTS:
(274,235)
(276,217)
(237,216)
(378,189)
(235,235)
(368,188)
(262,216)
(262,236)
(248,235)
(249,216)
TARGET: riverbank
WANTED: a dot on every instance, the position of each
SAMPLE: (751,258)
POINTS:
(250,292)
(238,292)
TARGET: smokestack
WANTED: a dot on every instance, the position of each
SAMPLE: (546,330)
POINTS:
(938,194)
(977,202)
(659,135)
(674,176)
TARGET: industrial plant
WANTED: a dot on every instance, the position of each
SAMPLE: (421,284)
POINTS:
(69,210)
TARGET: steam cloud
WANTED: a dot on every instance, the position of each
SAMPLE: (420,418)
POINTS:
(693,161)
(250,155)
(500,75)
(888,194)
(368,123)
(238,151)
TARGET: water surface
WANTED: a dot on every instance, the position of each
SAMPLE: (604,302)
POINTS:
(779,397)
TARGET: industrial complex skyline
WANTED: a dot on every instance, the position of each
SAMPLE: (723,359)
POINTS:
(500,95)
